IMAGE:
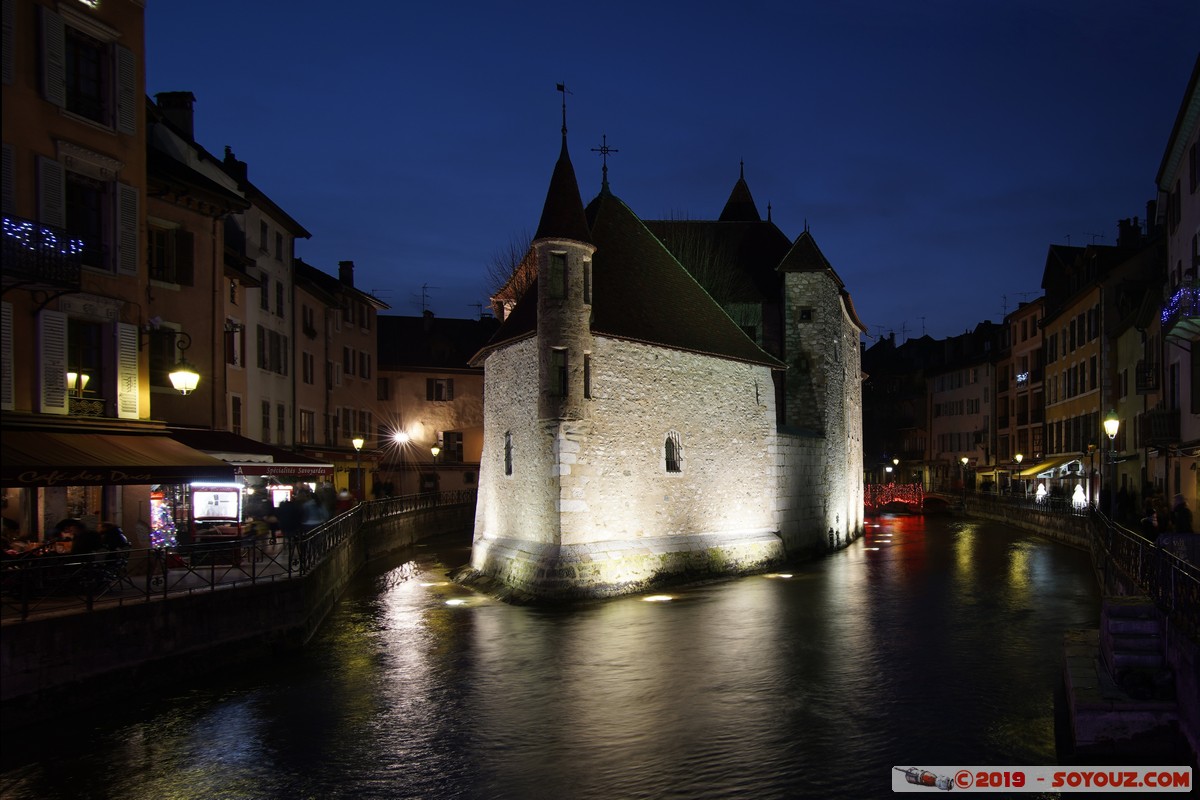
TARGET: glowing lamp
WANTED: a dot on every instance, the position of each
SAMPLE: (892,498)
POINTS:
(1112,424)
(400,437)
(357,441)
(1018,458)
(77,381)
(964,460)
(435,450)
(184,378)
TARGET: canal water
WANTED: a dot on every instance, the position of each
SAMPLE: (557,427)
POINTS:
(931,641)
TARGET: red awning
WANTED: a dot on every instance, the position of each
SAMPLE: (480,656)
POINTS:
(58,458)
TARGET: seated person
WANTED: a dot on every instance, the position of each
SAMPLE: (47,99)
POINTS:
(85,541)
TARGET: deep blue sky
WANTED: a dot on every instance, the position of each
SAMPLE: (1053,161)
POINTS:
(936,148)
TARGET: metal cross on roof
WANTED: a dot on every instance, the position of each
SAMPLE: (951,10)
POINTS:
(604,150)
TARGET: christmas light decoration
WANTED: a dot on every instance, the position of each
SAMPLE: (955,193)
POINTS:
(34,237)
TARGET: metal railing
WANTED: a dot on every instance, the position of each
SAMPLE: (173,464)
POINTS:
(1167,569)
(53,584)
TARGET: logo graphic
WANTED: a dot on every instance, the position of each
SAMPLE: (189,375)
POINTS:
(923,777)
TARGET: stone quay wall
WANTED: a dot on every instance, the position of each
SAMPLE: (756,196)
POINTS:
(53,664)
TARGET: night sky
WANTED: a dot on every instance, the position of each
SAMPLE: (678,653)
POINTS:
(935,148)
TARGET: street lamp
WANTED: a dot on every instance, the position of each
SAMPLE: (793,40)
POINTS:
(184,377)
(1017,458)
(357,441)
(964,461)
(1112,423)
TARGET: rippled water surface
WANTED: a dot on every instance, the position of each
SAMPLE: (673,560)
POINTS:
(931,641)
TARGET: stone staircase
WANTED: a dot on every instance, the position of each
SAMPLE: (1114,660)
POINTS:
(1120,691)
(1131,648)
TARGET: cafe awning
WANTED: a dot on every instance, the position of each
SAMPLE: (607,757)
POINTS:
(62,458)
(1047,465)
(250,457)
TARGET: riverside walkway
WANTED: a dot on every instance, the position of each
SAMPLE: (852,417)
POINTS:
(52,585)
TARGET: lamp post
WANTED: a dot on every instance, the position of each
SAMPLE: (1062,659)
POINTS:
(357,441)
(1017,458)
(964,461)
(1112,423)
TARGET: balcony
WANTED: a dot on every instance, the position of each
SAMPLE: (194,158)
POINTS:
(1181,314)
(1146,377)
(40,255)
(1158,427)
(87,406)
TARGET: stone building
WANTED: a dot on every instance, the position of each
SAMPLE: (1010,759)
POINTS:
(630,428)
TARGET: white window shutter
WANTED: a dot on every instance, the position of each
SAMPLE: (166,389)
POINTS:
(52,356)
(127,230)
(54,58)
(52,192)
(127,93)
(6,357)
(128,396)
(6,46)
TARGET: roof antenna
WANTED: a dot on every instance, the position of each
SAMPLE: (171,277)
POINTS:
(768,211)
(741,169)
(604,150)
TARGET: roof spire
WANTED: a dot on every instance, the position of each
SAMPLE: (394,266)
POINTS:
(562,87)
(604,150)
(740,205)
(768,211)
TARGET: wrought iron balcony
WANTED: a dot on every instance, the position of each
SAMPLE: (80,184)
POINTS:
(1158,427)
(1181,314)
(40,255)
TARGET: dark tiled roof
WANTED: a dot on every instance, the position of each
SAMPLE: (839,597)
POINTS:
(331,286)
(740,205)
(162,169)
(431,342)
(641,293)
(562,215)
(754,249)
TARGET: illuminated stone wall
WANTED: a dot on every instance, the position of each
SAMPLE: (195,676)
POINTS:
(591,508)
(522,505)
(824,399)
(615,483)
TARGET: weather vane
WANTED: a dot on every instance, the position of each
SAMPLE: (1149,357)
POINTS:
(562,87)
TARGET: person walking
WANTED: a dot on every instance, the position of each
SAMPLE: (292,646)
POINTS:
(1181,515)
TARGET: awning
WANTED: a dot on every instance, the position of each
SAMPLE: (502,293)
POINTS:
(58,458)
(1047,465)
(250,457)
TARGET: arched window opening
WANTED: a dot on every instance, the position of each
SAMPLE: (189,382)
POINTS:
(508,453)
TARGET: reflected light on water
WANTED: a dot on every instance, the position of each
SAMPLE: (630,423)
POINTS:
(738,691)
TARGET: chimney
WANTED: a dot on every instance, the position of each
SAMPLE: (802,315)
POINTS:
(1129,232)
(427,319)
(346,273)
(236,169)
(177,108)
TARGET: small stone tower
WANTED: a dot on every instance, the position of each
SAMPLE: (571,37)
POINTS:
(563,250)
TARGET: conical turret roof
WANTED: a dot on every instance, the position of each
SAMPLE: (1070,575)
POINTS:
(562,215)
(740,205)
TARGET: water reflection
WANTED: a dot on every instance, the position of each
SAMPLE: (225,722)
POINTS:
(927,641)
